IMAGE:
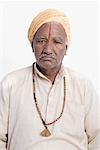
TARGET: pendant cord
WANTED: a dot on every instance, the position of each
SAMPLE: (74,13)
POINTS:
(38,110)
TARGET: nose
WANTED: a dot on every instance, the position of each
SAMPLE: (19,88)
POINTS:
(48,48)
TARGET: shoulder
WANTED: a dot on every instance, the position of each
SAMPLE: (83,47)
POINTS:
(16,76)
(81,86)
(75,75)
(79,80)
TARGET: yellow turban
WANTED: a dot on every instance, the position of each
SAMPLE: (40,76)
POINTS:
(49,15)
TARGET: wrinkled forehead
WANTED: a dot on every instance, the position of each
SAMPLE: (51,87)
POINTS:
(51,29)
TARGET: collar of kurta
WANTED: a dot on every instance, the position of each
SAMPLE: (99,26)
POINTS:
(60,75)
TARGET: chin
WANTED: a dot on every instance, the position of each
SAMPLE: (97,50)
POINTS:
(47,65)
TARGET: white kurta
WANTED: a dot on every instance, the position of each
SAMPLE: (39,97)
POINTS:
(77,129)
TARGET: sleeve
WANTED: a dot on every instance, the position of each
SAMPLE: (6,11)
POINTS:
(4,110)
(92,117)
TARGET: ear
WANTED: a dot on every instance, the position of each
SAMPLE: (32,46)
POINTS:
(66,47)
(66,50)
(32,47)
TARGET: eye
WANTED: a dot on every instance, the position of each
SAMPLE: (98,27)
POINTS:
(57,42)
(41,41)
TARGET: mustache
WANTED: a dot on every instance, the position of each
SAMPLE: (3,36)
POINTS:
(47,56)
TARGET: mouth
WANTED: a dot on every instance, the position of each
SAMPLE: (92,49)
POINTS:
(47,58)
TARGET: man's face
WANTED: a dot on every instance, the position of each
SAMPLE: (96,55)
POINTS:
(49,45)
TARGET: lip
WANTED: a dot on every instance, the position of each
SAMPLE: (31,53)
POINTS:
(47,58)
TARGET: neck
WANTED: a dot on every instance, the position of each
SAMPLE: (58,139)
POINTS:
(49,73)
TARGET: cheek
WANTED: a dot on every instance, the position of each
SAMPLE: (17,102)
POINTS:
(37,51)
(61,52)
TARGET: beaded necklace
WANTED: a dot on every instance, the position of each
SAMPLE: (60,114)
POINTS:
(46,131)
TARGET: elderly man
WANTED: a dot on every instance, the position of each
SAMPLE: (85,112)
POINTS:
(47,106)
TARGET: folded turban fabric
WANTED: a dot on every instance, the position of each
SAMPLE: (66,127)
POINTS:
(49,15)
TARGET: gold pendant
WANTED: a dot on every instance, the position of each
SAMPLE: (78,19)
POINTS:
(45,133)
